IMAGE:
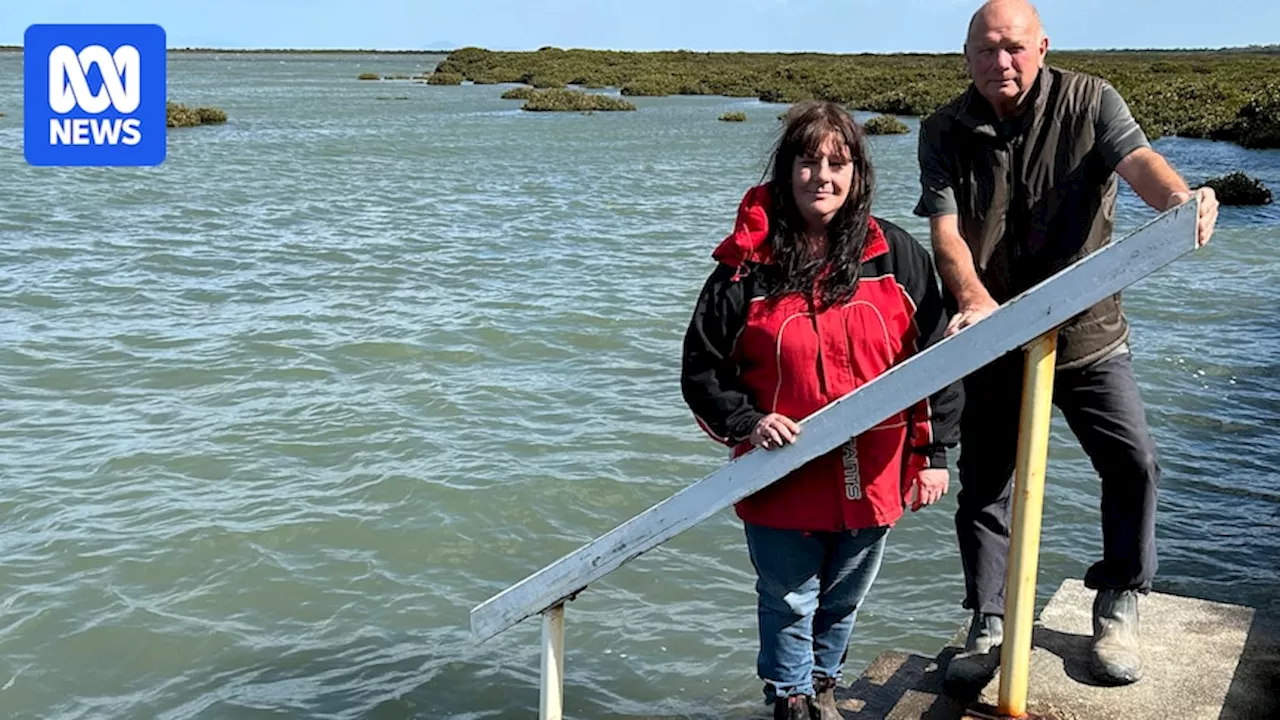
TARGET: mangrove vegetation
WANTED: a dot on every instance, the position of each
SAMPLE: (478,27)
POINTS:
(562,100)
(177,115)
(444,79)
(1239,189)
(885,125)
(1205,94)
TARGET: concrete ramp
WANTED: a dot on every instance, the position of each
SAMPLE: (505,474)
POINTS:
(1203,661)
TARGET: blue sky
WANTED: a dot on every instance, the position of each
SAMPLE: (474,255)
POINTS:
(765,25)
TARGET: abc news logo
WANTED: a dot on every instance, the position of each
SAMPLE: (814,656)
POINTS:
(94,95)
(69,88)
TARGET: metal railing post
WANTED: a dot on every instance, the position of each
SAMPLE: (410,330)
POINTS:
(551,702)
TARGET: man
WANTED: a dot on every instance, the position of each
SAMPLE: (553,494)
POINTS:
(1018,181)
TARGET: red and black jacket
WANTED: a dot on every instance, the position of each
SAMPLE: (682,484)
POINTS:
(746,355)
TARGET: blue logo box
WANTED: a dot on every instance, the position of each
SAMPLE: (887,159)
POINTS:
(94,94)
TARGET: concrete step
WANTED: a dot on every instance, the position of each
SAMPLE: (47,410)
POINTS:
(1203,661)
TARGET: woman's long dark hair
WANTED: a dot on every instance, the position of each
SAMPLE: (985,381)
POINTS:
(808,125)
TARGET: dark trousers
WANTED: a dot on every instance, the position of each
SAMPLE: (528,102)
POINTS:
(1102,407)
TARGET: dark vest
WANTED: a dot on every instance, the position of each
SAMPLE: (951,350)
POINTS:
(1035,195)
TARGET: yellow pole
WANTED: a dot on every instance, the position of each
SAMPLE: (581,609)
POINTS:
(1028,505)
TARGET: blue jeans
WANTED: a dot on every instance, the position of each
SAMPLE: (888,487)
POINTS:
(809,587)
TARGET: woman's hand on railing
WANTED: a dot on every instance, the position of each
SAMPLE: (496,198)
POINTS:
(773,431)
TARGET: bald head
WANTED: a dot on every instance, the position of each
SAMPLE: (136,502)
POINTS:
(1004,13)
(1005,50)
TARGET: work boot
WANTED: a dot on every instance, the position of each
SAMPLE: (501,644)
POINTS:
(824,707)
(972,668)
(795,707)
(1115,658)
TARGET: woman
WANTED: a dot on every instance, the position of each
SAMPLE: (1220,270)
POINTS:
(812,298)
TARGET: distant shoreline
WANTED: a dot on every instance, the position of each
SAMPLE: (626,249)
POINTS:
(279,51)
(1254,49)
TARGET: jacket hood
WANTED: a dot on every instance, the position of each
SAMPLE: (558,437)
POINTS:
(749,241)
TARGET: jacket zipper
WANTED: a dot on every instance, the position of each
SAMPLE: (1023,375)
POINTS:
(822,387)
(822,369)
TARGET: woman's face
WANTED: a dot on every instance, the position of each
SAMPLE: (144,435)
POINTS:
(821,183)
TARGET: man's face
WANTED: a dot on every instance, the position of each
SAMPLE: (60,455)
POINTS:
(1005,52)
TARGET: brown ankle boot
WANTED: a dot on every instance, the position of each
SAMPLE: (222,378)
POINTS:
(795,707)
(824,707)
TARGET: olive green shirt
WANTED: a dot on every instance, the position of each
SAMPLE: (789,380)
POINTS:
(1117,132)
